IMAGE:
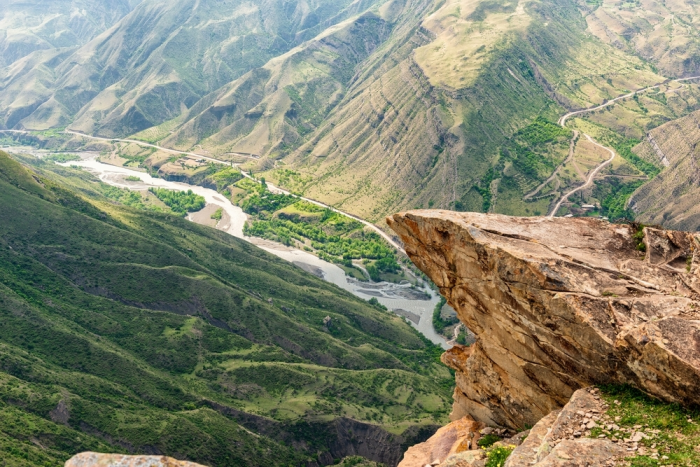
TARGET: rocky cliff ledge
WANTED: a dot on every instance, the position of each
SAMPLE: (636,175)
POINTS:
(560,304)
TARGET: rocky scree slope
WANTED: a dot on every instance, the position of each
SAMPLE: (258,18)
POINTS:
(560,304)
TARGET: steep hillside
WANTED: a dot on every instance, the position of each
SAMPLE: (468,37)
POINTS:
(379,105)
(664,33)
(273,107)
(419,133)
(163,58)
(675,146)
(132,331)
(30,25)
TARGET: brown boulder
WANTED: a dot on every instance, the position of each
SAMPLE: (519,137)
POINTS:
(560,304)
(562,438)
(93,459)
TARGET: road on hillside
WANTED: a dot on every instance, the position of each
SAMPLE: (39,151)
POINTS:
(596,171)
(272,188)
(590,178)
(386,237)
(161,148)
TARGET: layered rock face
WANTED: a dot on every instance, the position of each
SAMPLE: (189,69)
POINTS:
(560,304)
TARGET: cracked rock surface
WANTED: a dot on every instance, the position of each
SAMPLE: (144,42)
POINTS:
(562,438)
(558,305)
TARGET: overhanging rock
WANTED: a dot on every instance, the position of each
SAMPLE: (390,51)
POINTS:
(560,304)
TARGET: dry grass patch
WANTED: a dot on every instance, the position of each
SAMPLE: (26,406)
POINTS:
(467,31)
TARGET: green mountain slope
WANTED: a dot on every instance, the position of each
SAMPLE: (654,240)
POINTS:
(378,105)
(440,112)
(272,108)
(130,331)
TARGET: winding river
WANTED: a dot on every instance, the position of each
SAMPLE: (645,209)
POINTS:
(416,306)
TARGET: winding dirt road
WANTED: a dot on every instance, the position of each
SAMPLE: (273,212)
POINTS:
(562,122)
(590,178)
(569,157)
(596,171)
(161,148)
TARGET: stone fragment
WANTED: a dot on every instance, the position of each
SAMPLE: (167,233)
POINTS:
(593,452)
(451,439)
(93,459)
(526,453)
(466,459)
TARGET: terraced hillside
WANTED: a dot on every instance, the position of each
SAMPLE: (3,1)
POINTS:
(137,331)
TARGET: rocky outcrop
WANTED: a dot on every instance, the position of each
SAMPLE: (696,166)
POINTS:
(558,305)
(458,437)
(562,438)
(92,459)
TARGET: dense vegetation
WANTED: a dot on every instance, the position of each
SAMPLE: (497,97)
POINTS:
(332,236)
(126,197)
(614,194)
(439,323)
(525,160)
(61,157)
(133,331)
(180,202)
(528,150)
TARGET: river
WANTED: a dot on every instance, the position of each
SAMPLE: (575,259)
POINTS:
(399,298)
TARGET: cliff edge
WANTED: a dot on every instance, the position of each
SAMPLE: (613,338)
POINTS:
(558,305)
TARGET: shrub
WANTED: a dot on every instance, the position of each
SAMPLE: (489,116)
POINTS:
(462,338)
(62,158)
(487,440)
(180,202)
(497,456)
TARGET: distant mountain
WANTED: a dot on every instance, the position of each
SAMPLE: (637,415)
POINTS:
(32,25)
(378,105)
(161,59)
(132,331)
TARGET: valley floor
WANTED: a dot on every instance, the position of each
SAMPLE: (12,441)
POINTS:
(396,297)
